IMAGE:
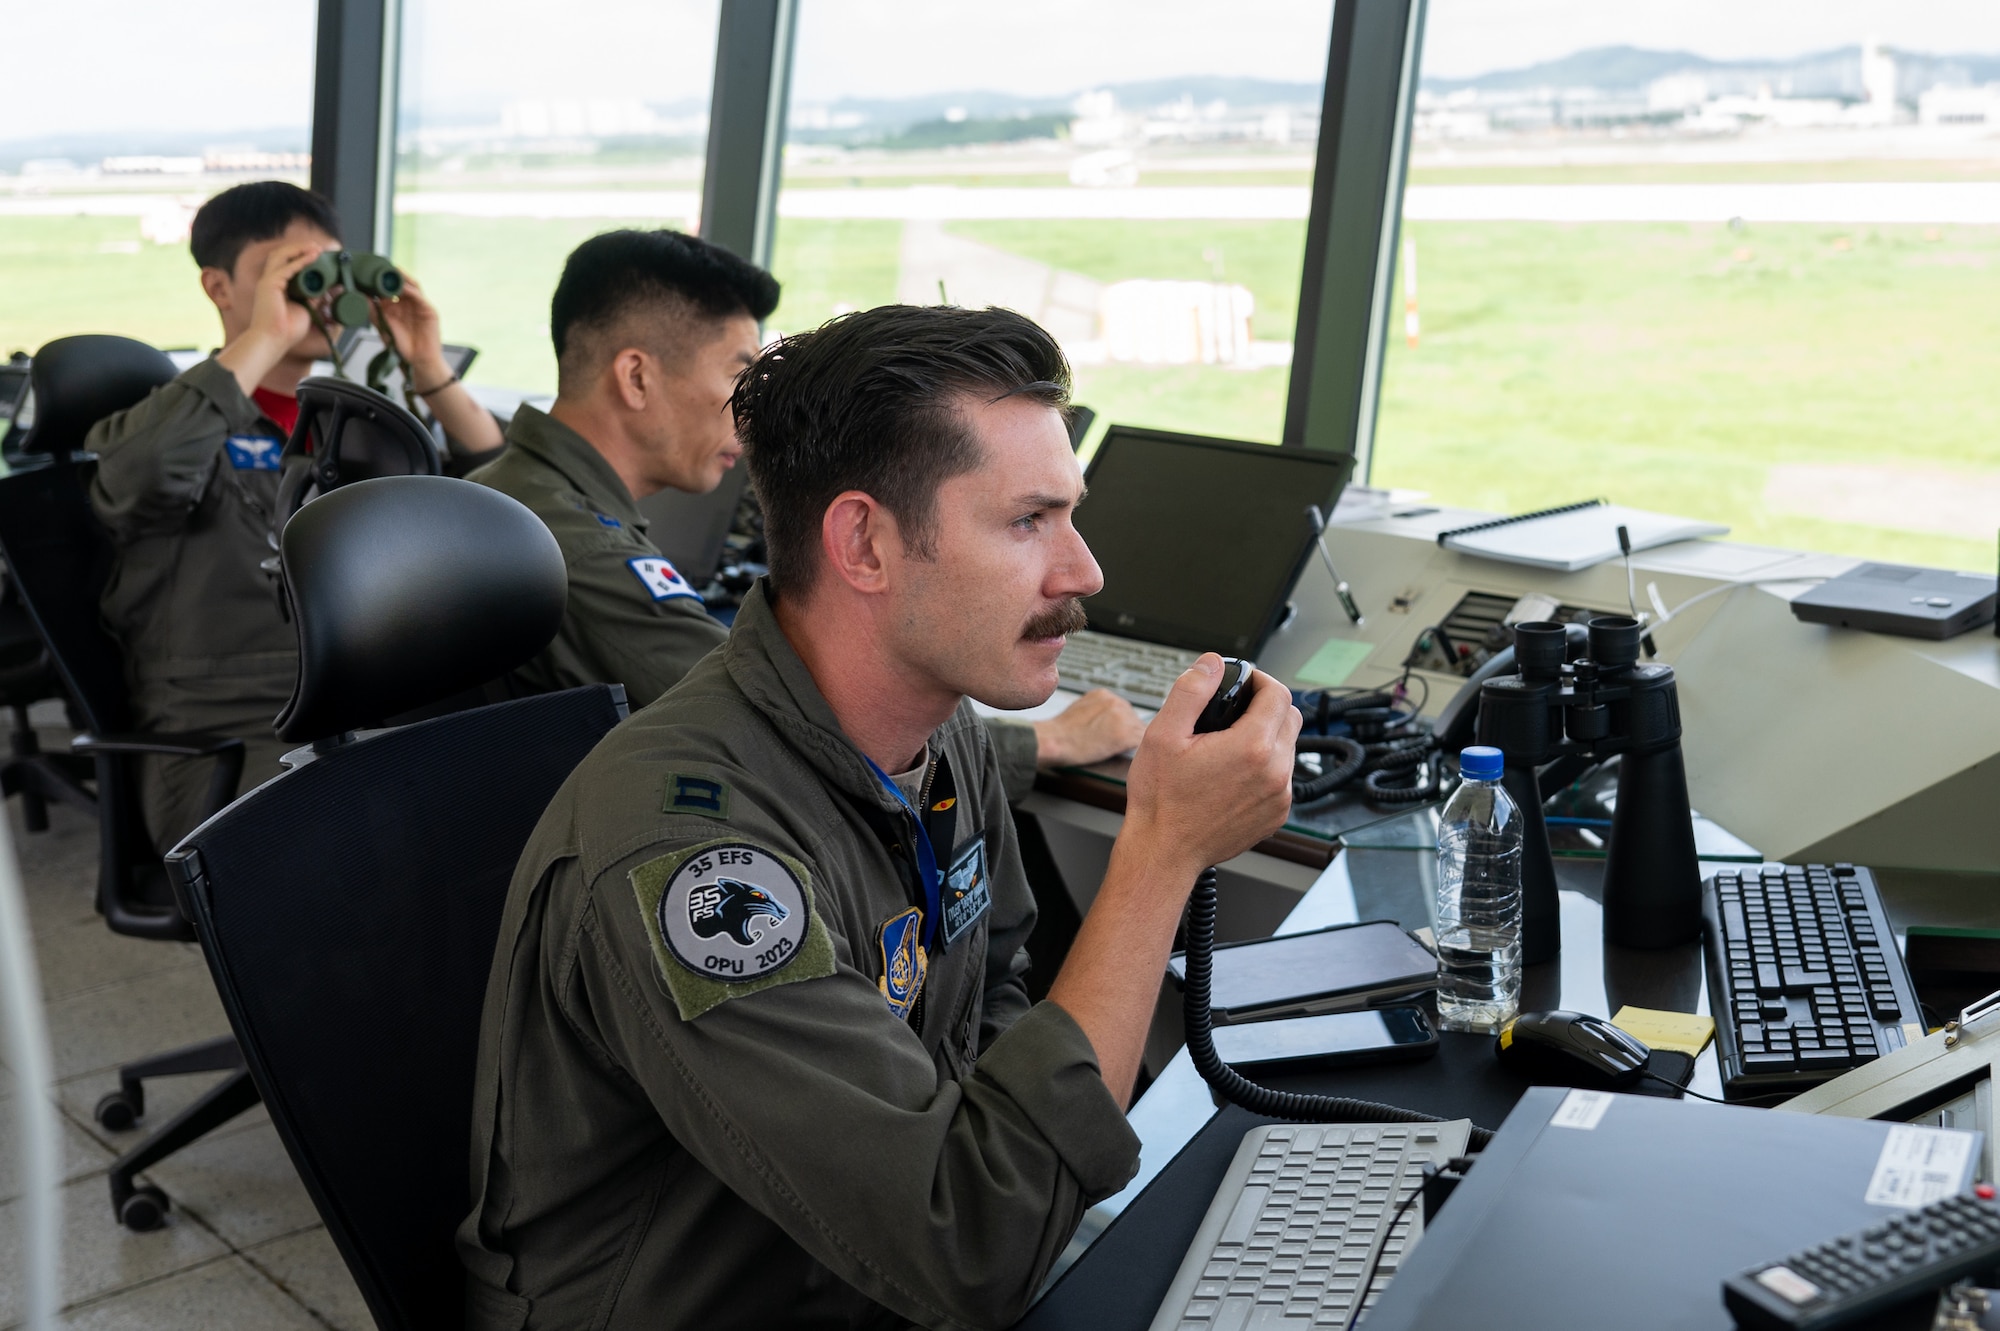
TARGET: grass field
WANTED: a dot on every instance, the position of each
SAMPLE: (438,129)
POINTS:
(62,275)
(1666,366)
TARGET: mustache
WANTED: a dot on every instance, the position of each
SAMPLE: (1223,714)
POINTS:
(1059,620)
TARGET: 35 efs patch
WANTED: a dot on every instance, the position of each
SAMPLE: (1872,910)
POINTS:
(734,913)
(730,918)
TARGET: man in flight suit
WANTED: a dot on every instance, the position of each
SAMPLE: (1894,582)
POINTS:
(651,329)
(187,480)
(756,1049)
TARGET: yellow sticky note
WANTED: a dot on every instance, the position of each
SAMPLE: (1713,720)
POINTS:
(1683,1031)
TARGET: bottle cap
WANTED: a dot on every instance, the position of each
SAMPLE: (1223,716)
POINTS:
(1481,762)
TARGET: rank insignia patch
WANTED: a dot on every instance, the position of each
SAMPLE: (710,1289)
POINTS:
(695,794)
(660,580)
(253,452)
(966,894)
(729,918)
(904,963)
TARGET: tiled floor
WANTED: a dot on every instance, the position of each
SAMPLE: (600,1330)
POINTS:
(242,1247)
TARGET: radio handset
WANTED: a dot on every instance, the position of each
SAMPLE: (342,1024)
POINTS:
(1232,698)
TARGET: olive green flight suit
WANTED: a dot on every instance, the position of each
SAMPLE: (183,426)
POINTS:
(631,618)
(685,1117)
(186,483)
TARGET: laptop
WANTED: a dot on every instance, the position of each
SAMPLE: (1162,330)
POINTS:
(1201,541)
(1590,1209)
(692,530)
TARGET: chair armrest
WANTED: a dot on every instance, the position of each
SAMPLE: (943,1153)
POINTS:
(227,750)
(174,744)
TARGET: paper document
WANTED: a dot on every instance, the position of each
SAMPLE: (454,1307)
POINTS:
(1576,537)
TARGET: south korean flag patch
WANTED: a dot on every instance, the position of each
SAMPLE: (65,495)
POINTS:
(660,579)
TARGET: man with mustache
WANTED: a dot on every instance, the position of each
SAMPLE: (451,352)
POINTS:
(651,329)
(856,1118)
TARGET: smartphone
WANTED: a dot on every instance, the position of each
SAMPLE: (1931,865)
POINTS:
(1331,1040)
(1345,968)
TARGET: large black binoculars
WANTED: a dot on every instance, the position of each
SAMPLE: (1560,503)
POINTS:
(360,277)
(1599,704)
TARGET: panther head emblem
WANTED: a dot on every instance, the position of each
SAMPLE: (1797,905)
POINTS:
(727,905)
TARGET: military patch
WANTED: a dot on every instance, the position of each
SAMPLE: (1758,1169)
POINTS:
(659,579)
(253,452)
(904,963)
(966,894)
(727,919)
(695,794)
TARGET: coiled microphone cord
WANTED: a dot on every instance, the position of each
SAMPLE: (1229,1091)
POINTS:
(1232,1085)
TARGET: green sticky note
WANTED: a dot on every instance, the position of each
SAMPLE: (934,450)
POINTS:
(1336,659)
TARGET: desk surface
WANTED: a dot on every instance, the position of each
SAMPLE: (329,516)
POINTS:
(1113,1276)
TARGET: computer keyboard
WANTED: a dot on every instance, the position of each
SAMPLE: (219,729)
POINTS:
(1289,1237)
(1142,671)
(1804,979)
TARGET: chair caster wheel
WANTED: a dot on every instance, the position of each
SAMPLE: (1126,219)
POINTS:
(116,1112)
(145,1209)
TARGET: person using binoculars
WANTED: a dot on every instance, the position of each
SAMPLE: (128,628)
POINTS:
(187,480)
(651,331)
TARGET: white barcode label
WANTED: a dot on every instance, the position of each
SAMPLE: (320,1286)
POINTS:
(1918,1166)
(1581,1110)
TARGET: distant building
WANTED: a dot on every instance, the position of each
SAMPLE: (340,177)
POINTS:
(1960,106)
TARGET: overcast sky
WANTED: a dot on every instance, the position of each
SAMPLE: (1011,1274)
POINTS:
(235,66)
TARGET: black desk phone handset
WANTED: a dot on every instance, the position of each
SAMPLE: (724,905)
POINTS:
(1231,700)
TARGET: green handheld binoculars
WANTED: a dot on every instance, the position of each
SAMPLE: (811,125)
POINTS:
(360,278)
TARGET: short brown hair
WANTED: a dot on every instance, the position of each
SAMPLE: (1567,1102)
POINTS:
(869,401)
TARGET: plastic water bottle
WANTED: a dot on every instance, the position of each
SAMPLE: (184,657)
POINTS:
(1479,899)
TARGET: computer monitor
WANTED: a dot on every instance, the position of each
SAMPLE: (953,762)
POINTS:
(691,530)
(1200,539)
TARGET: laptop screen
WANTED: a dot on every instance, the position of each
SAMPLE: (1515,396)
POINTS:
(1200,539)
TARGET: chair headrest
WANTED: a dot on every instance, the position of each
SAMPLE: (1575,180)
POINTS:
(356,434)
(408,589)
(78,381)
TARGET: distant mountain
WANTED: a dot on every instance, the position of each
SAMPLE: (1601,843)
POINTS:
(1610,67)
(1834,73)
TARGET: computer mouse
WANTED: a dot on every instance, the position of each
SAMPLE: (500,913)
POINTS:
(1571,1049)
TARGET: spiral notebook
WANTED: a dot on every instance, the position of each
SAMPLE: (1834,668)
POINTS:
(1574,536)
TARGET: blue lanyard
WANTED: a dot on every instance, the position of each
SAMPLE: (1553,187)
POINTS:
(927,865)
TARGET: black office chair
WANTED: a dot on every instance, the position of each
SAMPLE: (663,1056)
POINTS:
(349,907)
(28,676)
(348,432)
(75,382)
(59,557)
